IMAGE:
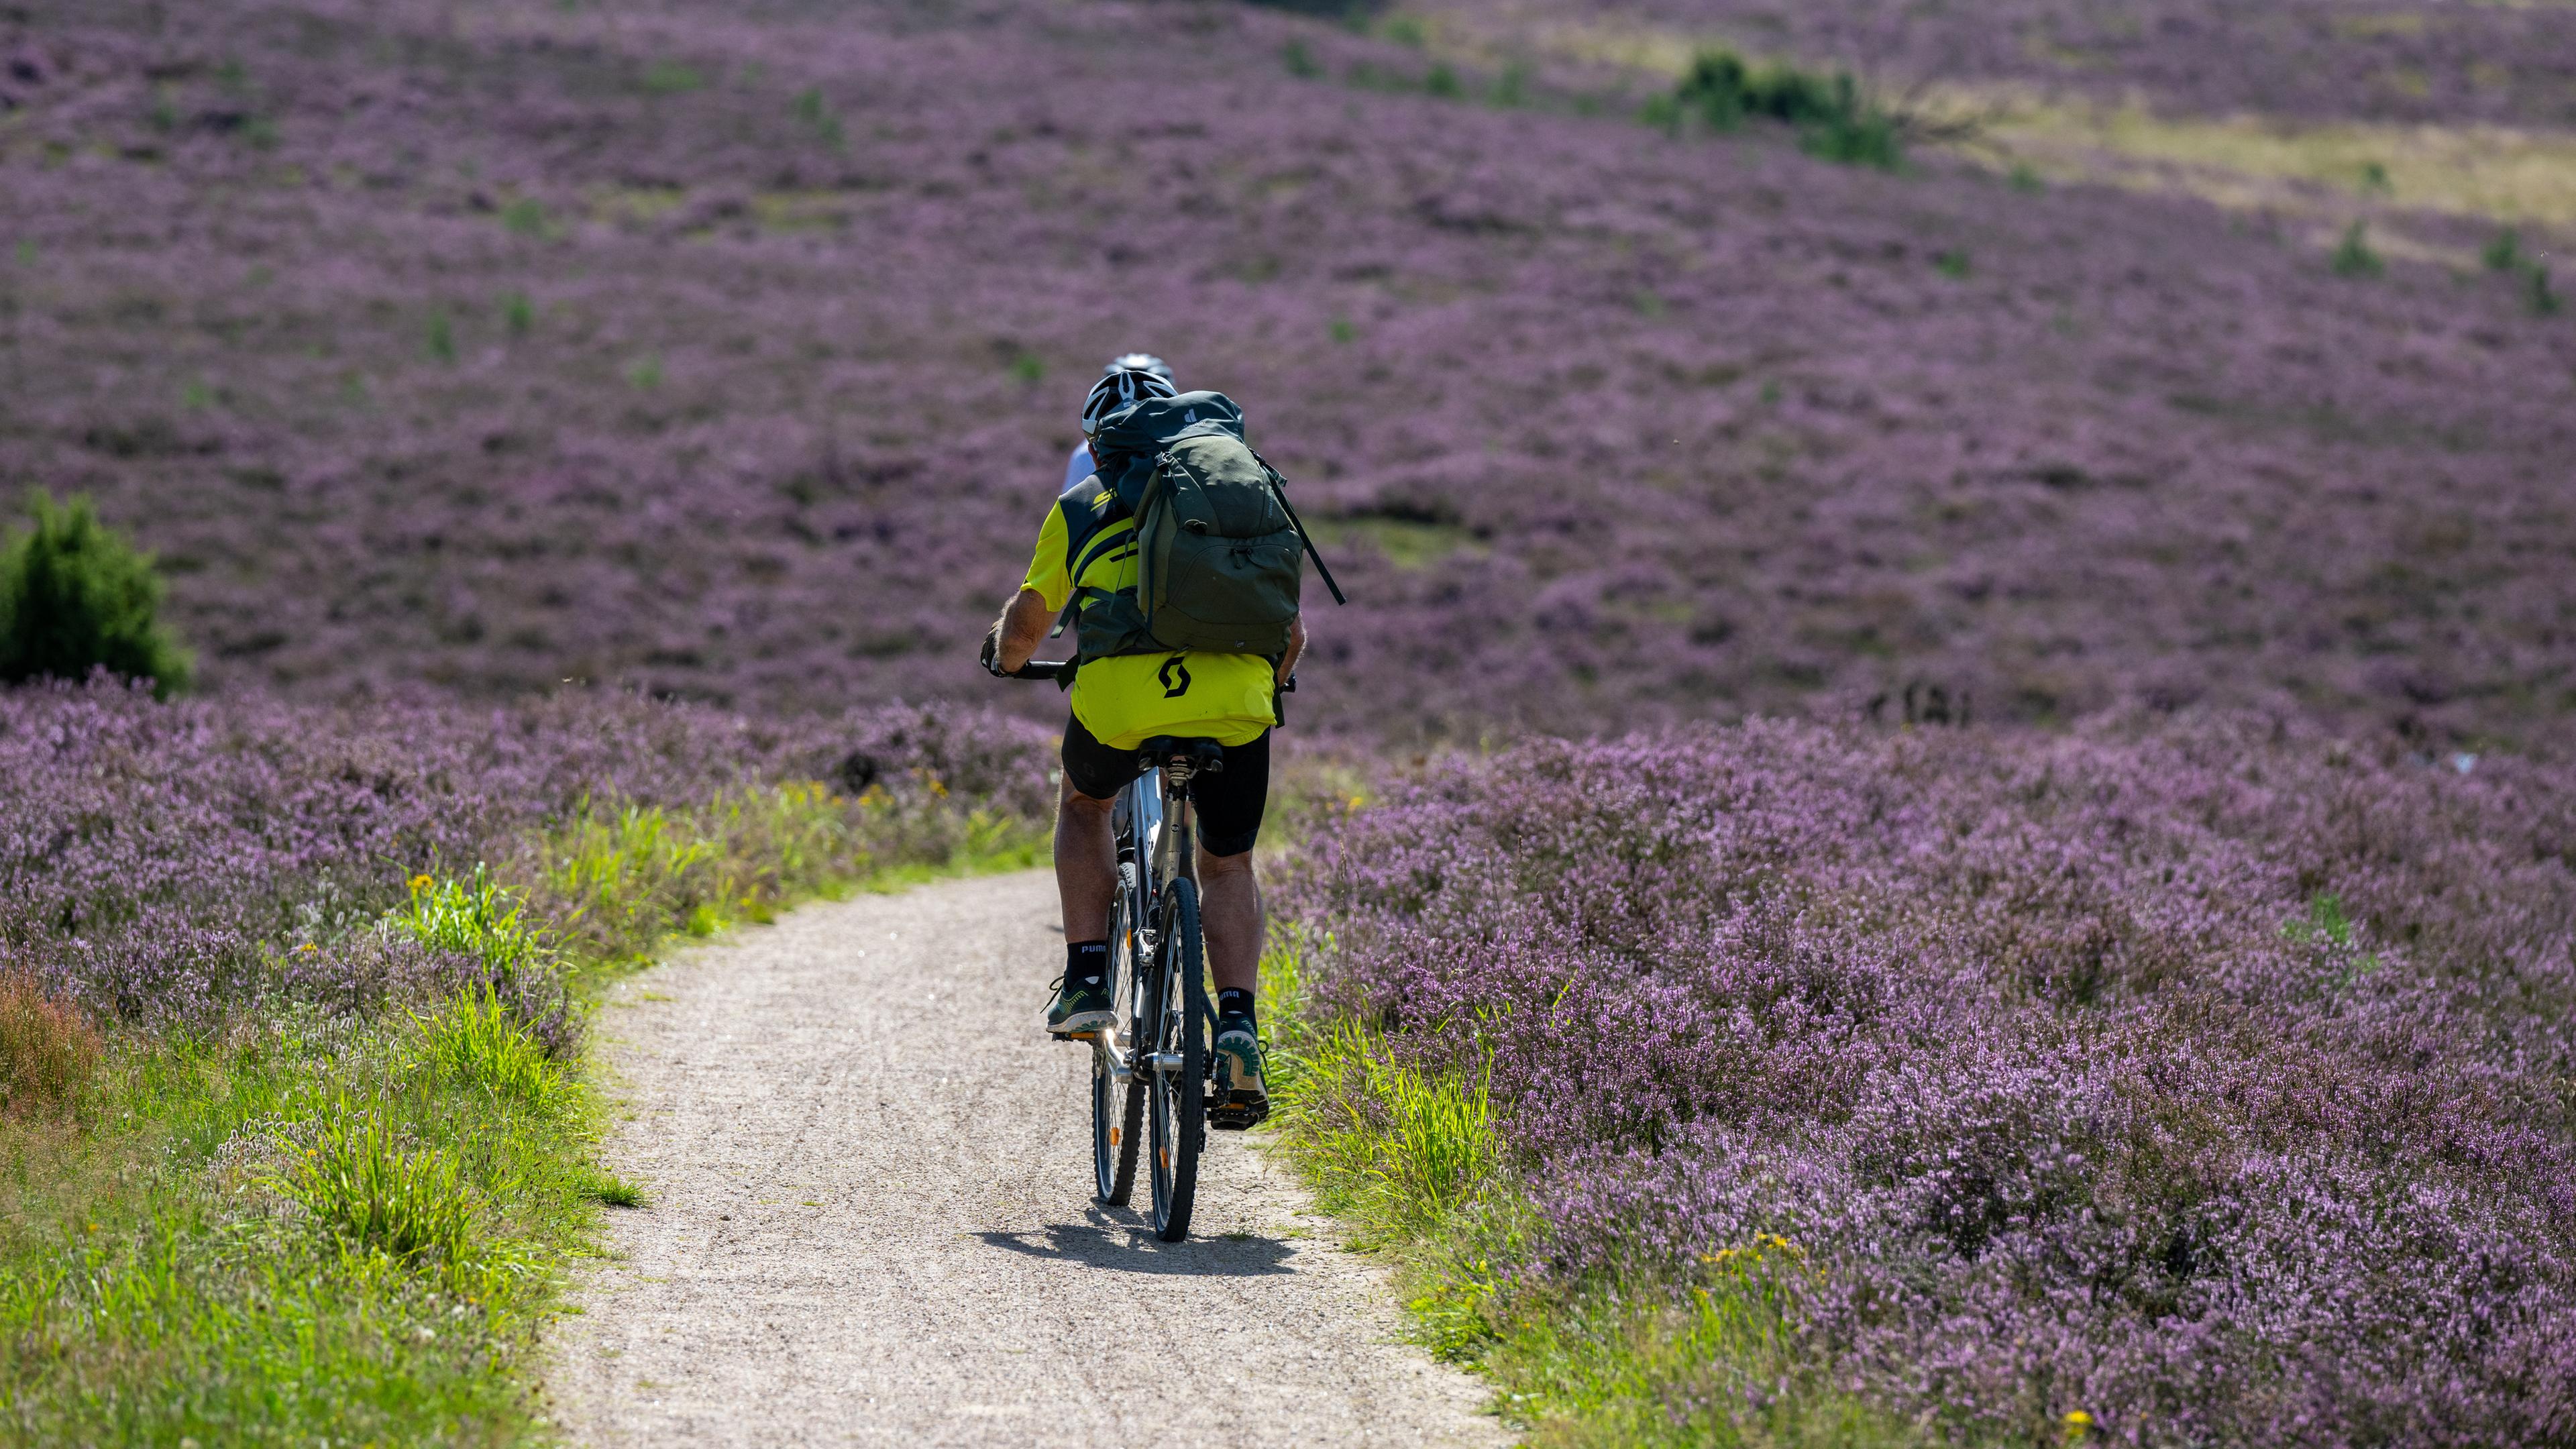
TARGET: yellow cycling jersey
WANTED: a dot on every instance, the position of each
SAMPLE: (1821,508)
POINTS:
(1130,698)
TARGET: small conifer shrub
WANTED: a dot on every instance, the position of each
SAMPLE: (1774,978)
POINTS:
(2353,256)
(75,596)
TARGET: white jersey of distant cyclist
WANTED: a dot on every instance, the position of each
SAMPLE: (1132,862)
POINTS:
(1077,467)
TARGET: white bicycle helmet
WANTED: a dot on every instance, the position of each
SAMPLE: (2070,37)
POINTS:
(1142,362)
(1121,387)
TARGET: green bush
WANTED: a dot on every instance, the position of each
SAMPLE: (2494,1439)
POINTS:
(2353,256)
(74,595)
(2535,292)
(1833,119)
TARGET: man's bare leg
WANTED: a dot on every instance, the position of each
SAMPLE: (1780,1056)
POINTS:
(1230,919)
(1086,880)
(1086,864)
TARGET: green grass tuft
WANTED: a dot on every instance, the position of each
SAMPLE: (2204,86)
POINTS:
(671,77)
(527,217)
(614,1191)
(817,113)
(480,1043)
(359,1179)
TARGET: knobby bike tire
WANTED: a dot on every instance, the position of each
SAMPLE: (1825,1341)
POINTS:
(1181,1028)
(1118,1113)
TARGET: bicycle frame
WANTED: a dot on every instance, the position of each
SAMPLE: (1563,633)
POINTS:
(1153,823)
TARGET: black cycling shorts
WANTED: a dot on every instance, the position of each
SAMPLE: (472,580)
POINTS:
(1229,802)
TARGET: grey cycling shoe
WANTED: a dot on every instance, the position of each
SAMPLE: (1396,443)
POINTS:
(1079,1008)
(1240,1099)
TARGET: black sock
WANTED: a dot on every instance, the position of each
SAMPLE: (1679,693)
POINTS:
(1086,963)
(1234,1001)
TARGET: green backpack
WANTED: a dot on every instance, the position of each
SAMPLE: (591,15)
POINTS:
(1219,553)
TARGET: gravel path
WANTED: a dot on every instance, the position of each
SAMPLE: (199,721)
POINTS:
(871,1222)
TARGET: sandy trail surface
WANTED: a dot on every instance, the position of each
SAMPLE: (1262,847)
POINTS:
(871,1221)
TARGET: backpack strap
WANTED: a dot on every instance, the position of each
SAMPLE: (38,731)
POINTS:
(1279,490)
(1089,508)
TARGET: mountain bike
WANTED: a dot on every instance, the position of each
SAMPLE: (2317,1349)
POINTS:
(1151,1066)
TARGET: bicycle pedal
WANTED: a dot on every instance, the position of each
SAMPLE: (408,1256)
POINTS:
(1237,1114)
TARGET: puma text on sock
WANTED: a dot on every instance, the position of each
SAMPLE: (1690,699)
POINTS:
(1235,1001)
(1086,963)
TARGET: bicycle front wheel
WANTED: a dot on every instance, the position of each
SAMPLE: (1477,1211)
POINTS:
(1117,1113)
(1178,1061)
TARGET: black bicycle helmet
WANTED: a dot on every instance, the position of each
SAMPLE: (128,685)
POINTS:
(1121,387)
(1141,362)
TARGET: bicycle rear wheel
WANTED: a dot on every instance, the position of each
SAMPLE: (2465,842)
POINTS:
(1179,1061)
(1117,1113)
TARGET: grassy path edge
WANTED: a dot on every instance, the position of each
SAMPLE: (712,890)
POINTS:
(306,1226)
(1411,1160)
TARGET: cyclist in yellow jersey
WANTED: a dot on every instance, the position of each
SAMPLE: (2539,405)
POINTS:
(1118,703)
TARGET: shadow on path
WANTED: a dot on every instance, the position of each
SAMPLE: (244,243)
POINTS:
(1121,1241)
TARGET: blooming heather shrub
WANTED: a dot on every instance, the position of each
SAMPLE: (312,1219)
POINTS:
(169,861)
(2203,1080)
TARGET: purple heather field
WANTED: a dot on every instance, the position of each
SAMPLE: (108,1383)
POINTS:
(2186,1042)
(168,863)
(732,351)
(2209,1081)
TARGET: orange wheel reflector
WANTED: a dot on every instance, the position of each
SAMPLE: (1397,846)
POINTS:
(1113,1135)
(1165,1158)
